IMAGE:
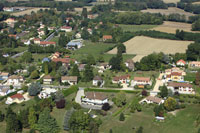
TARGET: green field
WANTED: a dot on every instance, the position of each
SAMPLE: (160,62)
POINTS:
(134,28)
(183,122)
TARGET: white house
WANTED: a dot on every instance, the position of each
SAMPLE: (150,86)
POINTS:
(17,98)
(194,64)
(36,41)
(15,80)
(124,79)
(4,75)
(5,91)
(182,88)
(97,80)
(47,80)
(94,98)
(152,99)
(75,44)
(72,80)
(66,28)
(104,66)
(46,93)
(141,81)
(180,63)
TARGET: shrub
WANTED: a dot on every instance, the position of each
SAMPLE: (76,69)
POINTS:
(121,117)
(106,106)
(76,105)
(60,104)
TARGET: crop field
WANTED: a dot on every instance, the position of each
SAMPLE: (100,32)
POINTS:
(171,1)
(28,11)
(142,46)
(168,11)
(134,28)
(171,27)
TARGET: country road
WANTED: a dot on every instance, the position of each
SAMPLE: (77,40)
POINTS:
(18,54)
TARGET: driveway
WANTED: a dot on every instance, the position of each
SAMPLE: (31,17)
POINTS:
(79,94)
(158,83)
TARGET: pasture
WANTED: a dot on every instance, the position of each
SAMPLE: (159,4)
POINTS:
(168,11)
(171,1)
(142,46)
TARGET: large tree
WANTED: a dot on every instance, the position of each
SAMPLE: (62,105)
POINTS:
(88,73)
(84,13)
(27,57)
(120,99)
(34,89)
(170,104)
(121,48)
(23,117)
(46,123)
(32,117)
(163,91)
(75,71)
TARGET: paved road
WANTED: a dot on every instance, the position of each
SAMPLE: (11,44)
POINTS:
(19,54)
(79,94)
(158,83)
(50,37)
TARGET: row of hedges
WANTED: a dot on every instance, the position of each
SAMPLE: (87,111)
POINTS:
(70,90)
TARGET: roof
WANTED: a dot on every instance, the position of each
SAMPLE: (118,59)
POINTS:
(176,84)
(36,39)
(73,43)
(47,77)
(4,74)
(176,74)
(66,27)
(195,62)
(146,79)
(4,90)
(121,77)
(97,78)
(69,78)
(47,43)
(95,95)
(107,37)
(15,77)
(182,61)
(81,66)
(154,99)
(17,96)
(63,60)
(46,59)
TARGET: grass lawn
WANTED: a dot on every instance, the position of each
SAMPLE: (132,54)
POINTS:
(55,39)
(183,122)
(39,56)
(190,77)
(20,49)
(134,28)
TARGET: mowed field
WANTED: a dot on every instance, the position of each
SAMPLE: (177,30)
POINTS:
(168,11)
(142,46)
(28,11)
(171,27)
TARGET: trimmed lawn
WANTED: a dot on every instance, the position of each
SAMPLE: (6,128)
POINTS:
(36,57)
(134,28)
(183,122)
(190,77)
(20,49)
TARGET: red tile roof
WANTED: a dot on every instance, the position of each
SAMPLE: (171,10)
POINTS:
(146,79)
(121,77)
(181,61)
(176,84)
(176,74)
(63,60)
(47,43)
(17,96)
(66,27)
(106,37)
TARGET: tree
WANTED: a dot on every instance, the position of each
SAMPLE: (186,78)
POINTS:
(62,71)
(91,59)
(121,117)
(75,71)
(164,92)
(34,75)
(100,59)
(88,73)
(27,57)
(23,117)
(60,100)
(197,79)
(159,110)
(106,106)
(1,116)
(34,89)
(140,130)
(115,63)
(46,103)
(120,99)
(32,118)
(46,123)
(121,48)
(198,120)
(170,104)
(84,13)
(85,34)
(144,93)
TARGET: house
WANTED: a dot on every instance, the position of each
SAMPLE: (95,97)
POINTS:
(47,43)
(141,81)
(55,55)
(152,99)
(13,36)
(180,63)
(26,42)
(15,80)
(36,41)
(5,91)
(81,67)
(66,28)
(46,93)
(107,37)
(104,66)
(78,35)
(97,81)
(46,60)
(94,98)
(89,31)
(75,44)
(92,16)
(72,80)
(51,28)
(182,88)
(17,98)
(124,79)
(10,21)
(4,75)
(41,32)
(194,64)
(174,74)
(65,61)
(130,64)
(8,9)
(47,80)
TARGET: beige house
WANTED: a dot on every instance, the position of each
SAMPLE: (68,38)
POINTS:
(72,80)
(194,64)
(141,81)
(47,80)
(15,80)
(17,98)
(182,88)
(152,99)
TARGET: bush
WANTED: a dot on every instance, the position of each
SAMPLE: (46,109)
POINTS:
(106,106)
(76,105)
(60,104)
(121,117)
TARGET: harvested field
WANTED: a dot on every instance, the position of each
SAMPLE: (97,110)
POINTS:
(171,1)
(143,46)
(171,27)
(196,3)
(28,11)
(168,11)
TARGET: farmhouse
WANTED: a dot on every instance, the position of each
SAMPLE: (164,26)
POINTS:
(94,98)
(174,74)
(97,81)
(107,37)
(17,98)
(47,80)
(15,80)
(141,81)
(124,79)
(66,28)
(72,80)
(194,64)
(130,64)
(152,99)
(181,63)
(182,88)
(47,43)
